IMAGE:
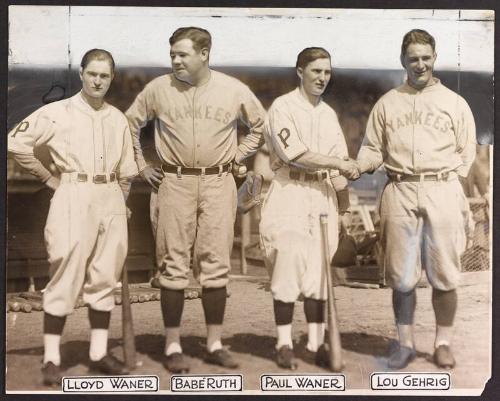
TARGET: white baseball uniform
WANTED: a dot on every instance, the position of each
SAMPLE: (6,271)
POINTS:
(196,128)
(290,228)
(424,138)
(86,228)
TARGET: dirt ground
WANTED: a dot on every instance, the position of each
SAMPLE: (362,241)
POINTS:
(366,324)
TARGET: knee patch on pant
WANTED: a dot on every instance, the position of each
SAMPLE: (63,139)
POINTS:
(172,305)
(53,324)
(214,304)
(99,319)
(404,304)
(445,306)
(283,312)
(314,310)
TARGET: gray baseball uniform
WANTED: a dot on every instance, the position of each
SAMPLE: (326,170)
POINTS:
(424,138)
(196,140)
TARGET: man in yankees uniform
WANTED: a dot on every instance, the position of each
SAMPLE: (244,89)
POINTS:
(86,229)
(196,110)
(424,135)
(307,149)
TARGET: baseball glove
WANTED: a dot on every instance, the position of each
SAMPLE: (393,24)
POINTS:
(249,192)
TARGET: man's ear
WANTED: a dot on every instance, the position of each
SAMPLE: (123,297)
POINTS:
(204,54)
(300,72)
(81,74)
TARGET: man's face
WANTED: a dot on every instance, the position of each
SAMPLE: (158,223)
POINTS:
(419,64)
(96,78)
(315,76)
(187,63)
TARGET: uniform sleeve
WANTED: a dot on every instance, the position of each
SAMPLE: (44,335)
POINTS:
(31,164)
(127,166)
(34,130)
(283,134)
(138,114)
(372,152)
(465,131)
(253,115)
(340,150)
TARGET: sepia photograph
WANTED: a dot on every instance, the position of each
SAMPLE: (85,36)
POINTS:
(249,201)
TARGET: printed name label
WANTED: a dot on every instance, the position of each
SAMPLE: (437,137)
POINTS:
(302,382)
(410,381)
(101,384)
(190,383)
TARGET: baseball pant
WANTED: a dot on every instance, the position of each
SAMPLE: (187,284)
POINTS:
(86,238)
(422,226)
(290,236)
(199,212)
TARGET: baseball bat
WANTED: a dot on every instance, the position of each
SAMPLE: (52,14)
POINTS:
(127,326)
(333,327)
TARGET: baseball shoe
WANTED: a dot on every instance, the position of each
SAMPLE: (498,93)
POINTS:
(285,358)
(401,357)
(51,374)
(176,363)
(222,358)
(322,357)
(108,365)
(443,357)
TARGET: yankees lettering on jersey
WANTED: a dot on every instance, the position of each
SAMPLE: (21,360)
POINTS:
(420,132)
(196,126)
(416,117)
(206,112)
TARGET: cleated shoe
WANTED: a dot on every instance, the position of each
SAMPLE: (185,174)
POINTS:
(285,358)
(443,357)
(322,356)
(401,357)
(108,365)
(176,363)
(51,374)
(222,358)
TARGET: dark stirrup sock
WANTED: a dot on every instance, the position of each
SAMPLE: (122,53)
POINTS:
(445,306)
(53,324)
(214,304)
(172,305)
(283,312)
(314,310)
(404,304)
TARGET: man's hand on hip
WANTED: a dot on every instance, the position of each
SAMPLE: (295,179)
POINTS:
(153,176)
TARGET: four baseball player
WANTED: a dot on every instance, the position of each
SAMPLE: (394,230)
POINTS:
(421,132)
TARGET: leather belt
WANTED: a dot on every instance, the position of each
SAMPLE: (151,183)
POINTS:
(303,176)
(179,170)
(420,177)
(84,177)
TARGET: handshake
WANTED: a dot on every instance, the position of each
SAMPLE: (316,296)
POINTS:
(350,169)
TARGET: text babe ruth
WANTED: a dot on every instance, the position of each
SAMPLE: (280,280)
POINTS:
(86,229)
(307,150)
(196,111)
(424,135)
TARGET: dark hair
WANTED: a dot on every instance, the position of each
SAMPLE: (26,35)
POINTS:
(309,54)
(97,54)
(200,37)
(417,36)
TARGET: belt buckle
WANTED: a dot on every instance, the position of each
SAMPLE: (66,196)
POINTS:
(81,177)
(112,177)
(99,179)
